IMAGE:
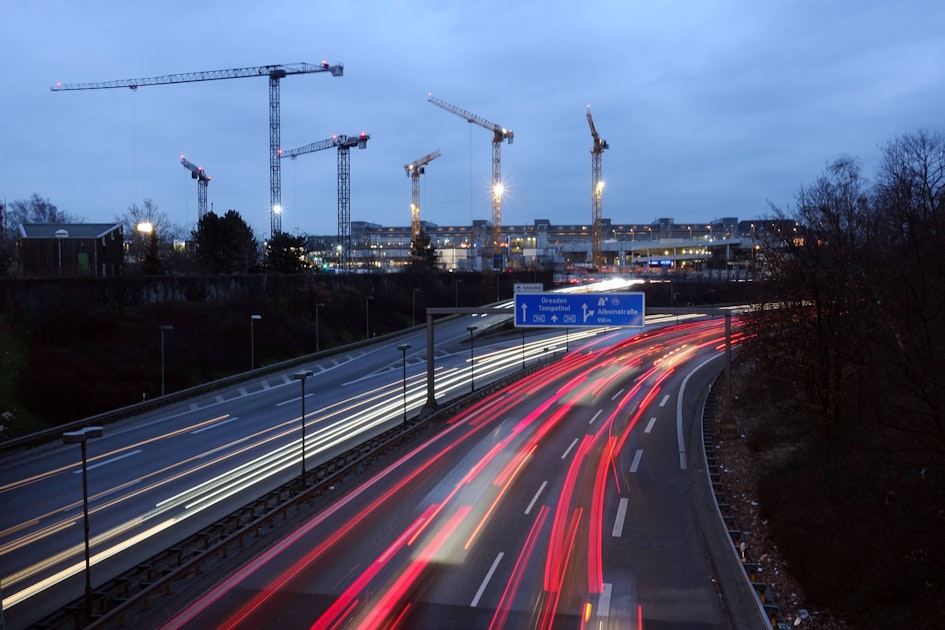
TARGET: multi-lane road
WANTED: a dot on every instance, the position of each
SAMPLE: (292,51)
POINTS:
(563,498)
(563,501)
(161,475)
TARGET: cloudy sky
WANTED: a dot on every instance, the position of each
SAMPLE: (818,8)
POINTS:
(711,108)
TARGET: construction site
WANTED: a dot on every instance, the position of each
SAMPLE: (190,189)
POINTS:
(720,246)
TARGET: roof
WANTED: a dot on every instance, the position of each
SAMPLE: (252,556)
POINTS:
(74,230)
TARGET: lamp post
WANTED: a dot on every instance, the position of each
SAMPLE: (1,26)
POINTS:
(472,381)
(82,436)
(523,348)
(252,341)
(403,348)
(413,312)
(301,375)
(317,306)
(367,316)
(456,284)
(163,330)
(61,234)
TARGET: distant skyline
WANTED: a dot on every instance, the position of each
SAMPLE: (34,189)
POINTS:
(711,109)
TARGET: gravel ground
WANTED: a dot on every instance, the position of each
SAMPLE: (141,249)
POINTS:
(739,469)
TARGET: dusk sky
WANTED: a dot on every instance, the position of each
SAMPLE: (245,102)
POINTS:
(711,109)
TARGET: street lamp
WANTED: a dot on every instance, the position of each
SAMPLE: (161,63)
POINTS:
(163,330)
(82,436)
(61,234)
(367,316)
(413,312)
(403,348)
(317,306)
(301,375)
(252,341)
(472,381)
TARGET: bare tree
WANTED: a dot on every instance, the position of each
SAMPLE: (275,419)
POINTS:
(911,193)
(149,234)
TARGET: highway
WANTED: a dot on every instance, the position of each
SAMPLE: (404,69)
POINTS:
(562,501)
(155,478)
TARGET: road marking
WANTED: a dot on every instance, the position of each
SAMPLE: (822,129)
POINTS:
(535,498)
(485,580)
(219,399)
(663,402)
(614,397)
(565,454)
(194,407)
(242,391)
(680,437)
(108,461)
(649,425)
(595,416)
(621,517)
(636,460)
(214,425)
(291,400)
(603,604)
(265,385)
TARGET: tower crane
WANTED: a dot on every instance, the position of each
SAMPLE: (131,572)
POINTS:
(203,179)
(344,143)
(498,135)
(274,72)
(414,170)
(597,191)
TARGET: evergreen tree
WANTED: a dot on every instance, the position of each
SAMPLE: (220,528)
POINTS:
(423,255)
(226,244)
(286,253)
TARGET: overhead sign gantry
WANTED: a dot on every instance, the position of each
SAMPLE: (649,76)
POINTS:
(570,310)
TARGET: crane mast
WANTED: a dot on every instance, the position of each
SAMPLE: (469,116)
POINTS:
(597,191)
(203,179)
(274,72)
(498,135)
(344,143)
(414,170)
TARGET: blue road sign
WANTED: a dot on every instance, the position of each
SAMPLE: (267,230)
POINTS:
(579,309)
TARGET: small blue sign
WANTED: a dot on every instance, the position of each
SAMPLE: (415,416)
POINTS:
(544,310)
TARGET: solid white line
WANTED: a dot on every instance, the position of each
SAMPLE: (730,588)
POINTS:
(219,399)
(265,384)
(649,425)
(485,580)
(565,454)
(535,498)
(242,391)
(614,397)
(663,402)
(636,460)
(680,437)
(599,411)
(603,604)
(621,517)
(108,461)
(214,425)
